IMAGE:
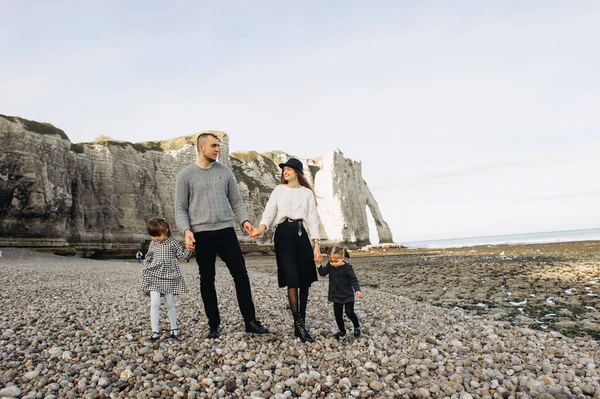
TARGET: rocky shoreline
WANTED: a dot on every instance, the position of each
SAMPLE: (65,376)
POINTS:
(73,327)
(541,286)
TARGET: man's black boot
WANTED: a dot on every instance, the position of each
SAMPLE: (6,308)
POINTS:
(213,332)
(256,327)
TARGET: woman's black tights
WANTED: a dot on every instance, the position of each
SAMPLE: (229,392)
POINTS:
(295,305)
(339,317)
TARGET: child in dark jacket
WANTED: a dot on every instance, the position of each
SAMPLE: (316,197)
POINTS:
(343,287)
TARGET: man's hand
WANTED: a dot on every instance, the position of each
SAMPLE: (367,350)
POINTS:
(190,241)
(257,232)
(358,294)
(248,228)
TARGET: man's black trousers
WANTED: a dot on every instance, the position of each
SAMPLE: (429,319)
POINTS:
(224,243)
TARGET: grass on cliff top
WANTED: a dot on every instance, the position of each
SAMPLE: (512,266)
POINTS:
(276,157)
(164,145)
(246,156)
(37,127)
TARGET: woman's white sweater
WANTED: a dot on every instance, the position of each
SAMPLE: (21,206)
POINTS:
(293,203)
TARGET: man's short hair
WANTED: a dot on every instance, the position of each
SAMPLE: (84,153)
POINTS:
(202,138)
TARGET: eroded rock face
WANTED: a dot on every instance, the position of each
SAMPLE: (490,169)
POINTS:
(35,197)
(91,197)
(343,198)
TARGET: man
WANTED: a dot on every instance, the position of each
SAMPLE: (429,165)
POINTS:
(203,192)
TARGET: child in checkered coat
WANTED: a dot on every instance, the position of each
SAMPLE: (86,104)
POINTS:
(161,275)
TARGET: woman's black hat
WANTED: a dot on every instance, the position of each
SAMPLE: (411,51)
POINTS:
(293,163)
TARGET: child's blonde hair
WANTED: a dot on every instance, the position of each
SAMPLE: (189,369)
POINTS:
(337,250)
(158,226)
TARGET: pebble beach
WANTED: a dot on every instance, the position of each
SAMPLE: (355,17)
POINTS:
(78,328)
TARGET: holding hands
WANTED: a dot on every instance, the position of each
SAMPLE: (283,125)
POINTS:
(317,253)
(258,232)
(249,229)
(190,241)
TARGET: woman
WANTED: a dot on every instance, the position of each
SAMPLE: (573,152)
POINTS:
(293,209)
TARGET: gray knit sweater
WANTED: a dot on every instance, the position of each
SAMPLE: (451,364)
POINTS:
(203,196)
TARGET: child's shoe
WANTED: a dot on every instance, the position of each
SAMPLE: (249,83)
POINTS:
(174,334)
(357,332)
(339,335)
(154,336)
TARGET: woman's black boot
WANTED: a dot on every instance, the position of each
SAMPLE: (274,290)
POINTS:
(303,320)
(300,330)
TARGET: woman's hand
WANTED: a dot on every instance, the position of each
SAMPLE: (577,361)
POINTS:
(317,253)
(258,231)
(358,294)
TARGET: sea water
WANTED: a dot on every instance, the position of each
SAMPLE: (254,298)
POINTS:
(528,238)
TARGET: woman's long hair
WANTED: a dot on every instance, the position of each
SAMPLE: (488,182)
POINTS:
(301,179)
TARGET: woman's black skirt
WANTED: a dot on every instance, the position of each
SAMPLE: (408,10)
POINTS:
(295,258)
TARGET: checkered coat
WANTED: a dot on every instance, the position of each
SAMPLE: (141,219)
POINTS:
(161,271)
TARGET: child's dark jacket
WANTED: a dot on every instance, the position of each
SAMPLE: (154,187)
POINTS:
(342,282)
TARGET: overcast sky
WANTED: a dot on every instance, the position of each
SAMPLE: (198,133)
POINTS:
(470,118)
